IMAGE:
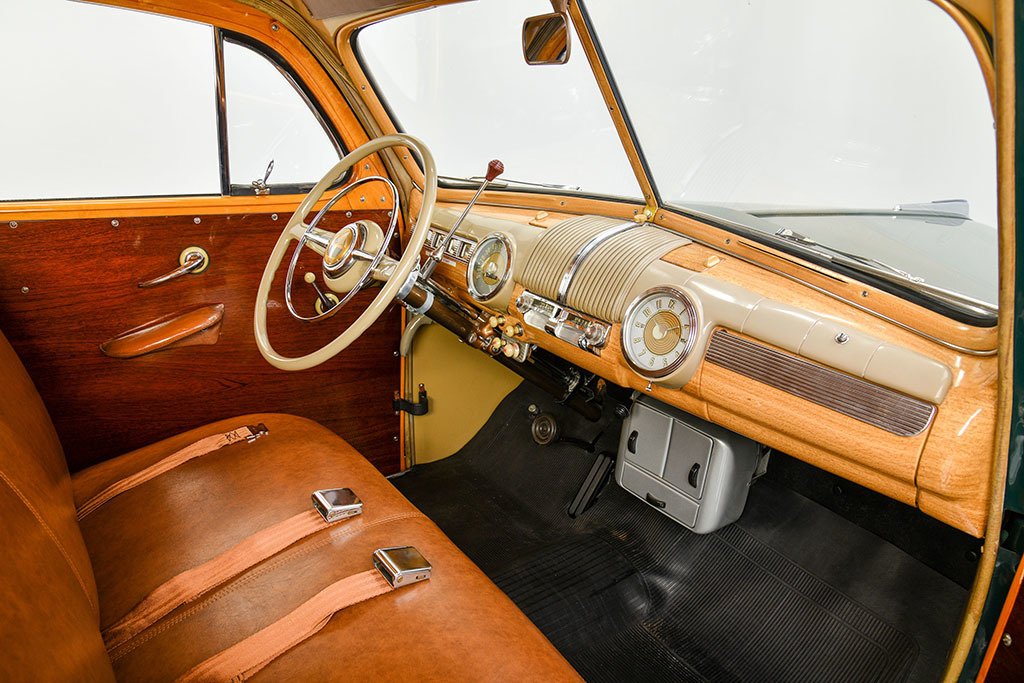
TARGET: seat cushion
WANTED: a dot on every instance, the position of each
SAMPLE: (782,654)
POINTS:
(456,625)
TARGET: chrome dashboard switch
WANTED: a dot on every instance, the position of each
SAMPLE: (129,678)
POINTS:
(578,329)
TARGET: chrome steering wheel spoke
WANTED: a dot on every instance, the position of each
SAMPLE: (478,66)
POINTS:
(379,265)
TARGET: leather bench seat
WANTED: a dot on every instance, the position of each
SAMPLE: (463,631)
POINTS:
(63,583)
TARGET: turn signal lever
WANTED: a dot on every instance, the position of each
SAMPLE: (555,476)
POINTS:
(494,169)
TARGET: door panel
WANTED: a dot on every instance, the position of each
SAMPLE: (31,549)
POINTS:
(67,286)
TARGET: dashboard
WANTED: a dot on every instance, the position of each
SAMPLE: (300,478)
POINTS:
(647,308)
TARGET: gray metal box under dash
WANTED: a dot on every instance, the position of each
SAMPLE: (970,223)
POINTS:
(691,470)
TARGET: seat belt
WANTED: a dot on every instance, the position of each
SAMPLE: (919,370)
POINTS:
(394,567)
(202,447)
(331,505)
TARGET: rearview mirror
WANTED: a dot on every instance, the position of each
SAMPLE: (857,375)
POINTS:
(546,39)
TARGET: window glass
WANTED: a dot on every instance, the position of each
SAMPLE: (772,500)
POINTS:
(103,102)
(270,120)
(455,77)
(819,117)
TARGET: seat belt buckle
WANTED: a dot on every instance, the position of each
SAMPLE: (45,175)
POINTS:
(401,565)
(256,431)
(335,504)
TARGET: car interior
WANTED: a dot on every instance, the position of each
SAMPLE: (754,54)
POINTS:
(312,367)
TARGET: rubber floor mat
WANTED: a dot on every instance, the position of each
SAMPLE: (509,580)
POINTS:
(791,592)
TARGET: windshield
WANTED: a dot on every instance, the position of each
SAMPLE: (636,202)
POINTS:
(835,125)
(454,76)
(828,128)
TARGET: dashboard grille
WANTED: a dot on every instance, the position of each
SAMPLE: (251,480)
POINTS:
(851,396)
(556,249)
(590,262)
(604,280)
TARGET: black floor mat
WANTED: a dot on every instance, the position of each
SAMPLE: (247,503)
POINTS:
(791,592)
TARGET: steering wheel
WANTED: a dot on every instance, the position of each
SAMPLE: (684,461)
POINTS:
(352,257)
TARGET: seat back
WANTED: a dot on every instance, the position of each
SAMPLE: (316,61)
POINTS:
(49,620)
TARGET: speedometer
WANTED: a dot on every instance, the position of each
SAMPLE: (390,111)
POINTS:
(489,267)
(658,331)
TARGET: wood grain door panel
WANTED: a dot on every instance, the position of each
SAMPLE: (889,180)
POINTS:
(66,286)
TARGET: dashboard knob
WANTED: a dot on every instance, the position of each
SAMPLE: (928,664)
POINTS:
(511,349)
(496,321)
(496,344)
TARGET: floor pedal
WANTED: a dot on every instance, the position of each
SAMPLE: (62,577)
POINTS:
(598,476)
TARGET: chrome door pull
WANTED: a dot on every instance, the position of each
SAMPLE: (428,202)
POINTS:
(193,260)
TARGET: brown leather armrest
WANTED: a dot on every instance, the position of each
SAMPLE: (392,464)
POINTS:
(194,326)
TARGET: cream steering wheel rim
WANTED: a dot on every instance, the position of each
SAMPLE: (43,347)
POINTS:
(401,273)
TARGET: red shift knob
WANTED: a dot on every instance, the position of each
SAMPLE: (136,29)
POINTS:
(494,169)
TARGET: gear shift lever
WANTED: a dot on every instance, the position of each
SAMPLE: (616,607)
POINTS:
(494,169)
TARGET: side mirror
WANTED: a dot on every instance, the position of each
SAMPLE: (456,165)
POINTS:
(546,39)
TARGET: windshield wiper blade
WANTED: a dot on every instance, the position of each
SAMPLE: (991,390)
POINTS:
(887,272)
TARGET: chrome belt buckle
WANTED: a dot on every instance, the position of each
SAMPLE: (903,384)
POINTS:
(256,431)
(335,504)
(401,565)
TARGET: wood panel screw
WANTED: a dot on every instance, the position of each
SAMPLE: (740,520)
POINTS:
(348,214)
(275,27)
(24,290)
(114,223)
(273,216)
(1007,640)
(13,224)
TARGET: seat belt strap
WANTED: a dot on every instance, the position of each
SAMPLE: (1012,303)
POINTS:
(396,567)
(193,583)
(202,447)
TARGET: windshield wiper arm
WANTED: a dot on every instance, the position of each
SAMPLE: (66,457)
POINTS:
(794,236)
(886,272)
(527,183)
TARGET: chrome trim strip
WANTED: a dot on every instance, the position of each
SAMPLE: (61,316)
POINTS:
(852,396)
(584,252)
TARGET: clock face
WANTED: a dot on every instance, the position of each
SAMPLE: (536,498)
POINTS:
(658,331)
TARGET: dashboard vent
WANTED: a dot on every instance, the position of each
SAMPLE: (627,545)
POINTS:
(851,396)
(556,249)
(590,262)
(603,281)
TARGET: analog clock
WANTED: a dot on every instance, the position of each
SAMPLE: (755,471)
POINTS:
(658,331)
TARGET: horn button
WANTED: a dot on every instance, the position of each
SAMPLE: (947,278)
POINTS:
(349,254)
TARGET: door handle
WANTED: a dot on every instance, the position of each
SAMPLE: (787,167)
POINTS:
(192,260)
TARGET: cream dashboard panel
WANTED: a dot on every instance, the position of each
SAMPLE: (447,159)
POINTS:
(835,360)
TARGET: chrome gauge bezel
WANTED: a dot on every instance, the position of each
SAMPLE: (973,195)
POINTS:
(687,348)
(478,296)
